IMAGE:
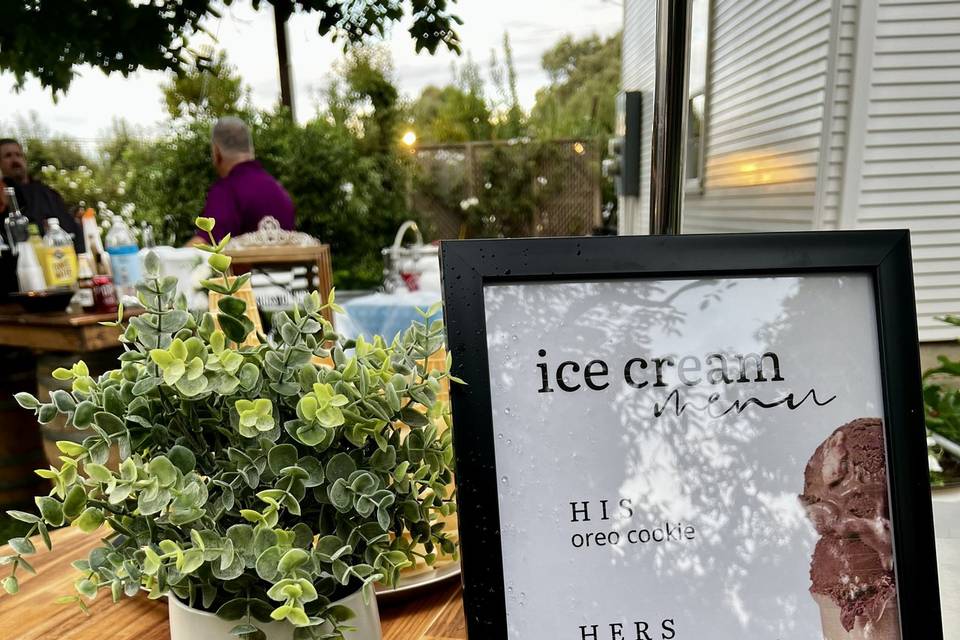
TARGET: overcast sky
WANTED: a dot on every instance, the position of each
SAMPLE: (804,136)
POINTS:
(94,99)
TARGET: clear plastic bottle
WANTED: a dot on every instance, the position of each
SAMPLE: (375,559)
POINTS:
(124,258)
(59,256)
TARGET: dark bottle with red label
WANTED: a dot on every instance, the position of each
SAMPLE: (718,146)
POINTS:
(104,294)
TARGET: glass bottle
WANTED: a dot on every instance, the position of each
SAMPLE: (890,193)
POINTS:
(85,274)
(147,238)
(17,227)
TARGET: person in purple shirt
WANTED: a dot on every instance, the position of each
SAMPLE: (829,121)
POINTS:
(245,192)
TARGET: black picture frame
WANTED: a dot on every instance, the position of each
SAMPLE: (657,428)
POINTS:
(468,265)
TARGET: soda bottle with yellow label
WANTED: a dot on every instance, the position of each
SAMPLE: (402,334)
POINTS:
(59,256)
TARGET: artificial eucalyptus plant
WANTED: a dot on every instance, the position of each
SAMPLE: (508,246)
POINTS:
(256,482)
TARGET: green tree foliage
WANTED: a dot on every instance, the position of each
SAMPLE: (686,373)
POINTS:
(44,148)
(509,115)
(512,190)
(212,90)
(49,40)
(580,100)
(366,98)
(457,112)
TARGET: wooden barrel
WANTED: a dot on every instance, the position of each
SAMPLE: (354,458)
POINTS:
(21,447)
(98,362)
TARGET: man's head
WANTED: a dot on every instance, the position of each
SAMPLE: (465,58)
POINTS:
(230,145)
(13,164)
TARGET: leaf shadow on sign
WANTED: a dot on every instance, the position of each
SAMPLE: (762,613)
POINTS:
(736,478)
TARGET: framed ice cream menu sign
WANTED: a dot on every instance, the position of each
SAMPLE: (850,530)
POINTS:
(681,438)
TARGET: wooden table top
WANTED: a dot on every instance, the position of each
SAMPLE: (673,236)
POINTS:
(58,331)
(13,314)
(33,615)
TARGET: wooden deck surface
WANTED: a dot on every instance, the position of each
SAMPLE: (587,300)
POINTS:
(33,615)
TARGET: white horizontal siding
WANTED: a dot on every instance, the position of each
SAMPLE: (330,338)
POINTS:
(766,107)
(910,174)
(884,153)
(639,74)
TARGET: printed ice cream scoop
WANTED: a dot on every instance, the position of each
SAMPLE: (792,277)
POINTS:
(845,487)
(845,494)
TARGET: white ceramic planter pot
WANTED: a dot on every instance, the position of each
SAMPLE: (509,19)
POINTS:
(187,623)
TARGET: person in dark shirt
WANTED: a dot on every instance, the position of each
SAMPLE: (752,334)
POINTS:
(37,201)
(245,192)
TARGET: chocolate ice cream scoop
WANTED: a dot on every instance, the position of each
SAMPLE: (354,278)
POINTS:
(845,487)
(851,574)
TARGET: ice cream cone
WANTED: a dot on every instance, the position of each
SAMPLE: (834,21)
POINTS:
(886,628)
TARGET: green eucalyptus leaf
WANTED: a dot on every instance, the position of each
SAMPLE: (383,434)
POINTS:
(242,537)
(384,460)
(314,470)
(340,495)
(23,516)
(232,306)
(285,388)
(290,334)
(83,414)
(263,539)
(340,466)
(75,502)
(249,376)
(232,328)
(193,387)
(46,413)
(182,458)
(63,401)
(291,560)
(26,400)
(97,472)
(230,572)
(90,520)
(11,585)
(145,385)
(112,403)
(216,286)
(164,470)
(108,422)
(413,418)
(281,456)
(23,546)
(268,562)
(175,320)
(233,609)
